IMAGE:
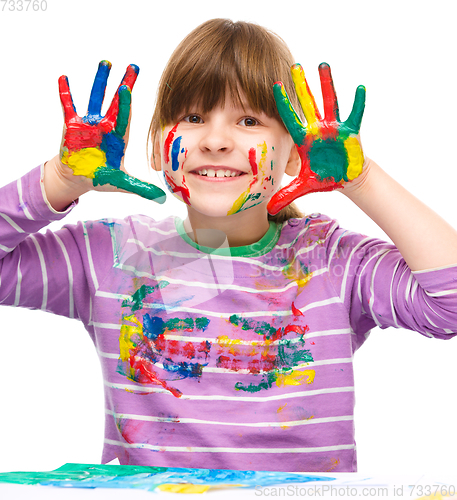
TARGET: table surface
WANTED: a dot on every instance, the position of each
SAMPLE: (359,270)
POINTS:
(91,481)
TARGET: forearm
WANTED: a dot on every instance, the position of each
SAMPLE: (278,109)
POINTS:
(424,239)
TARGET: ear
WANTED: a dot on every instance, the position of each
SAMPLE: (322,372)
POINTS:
(294,163)
(156,155)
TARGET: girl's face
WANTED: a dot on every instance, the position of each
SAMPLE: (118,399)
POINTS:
(225,161)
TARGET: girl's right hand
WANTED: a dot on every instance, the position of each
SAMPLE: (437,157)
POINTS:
(93,147)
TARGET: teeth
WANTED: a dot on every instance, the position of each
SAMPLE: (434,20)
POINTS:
(218,173)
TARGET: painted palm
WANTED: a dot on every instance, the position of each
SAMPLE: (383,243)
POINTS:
(94,145)
(330,151)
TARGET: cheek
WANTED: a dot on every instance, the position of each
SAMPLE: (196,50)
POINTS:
(174,152)
(174,155)
(263,161)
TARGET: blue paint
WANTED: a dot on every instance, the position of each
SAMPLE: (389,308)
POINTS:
(153,326)
(175,153)
(149,478)
(183,369)
(113,146)
(98,93)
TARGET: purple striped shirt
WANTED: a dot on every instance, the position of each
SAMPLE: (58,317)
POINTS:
(233,358)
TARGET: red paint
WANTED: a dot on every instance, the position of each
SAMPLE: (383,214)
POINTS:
(306,181)
(189,350)
(146,374)
(301,330)
(184,190)
(167,143)
(252,161)
(81,135)
(295,311)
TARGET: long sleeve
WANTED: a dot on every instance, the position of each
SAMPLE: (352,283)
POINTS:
(38,271)
(379,289)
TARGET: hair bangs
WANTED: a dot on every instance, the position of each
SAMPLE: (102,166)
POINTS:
(221,59)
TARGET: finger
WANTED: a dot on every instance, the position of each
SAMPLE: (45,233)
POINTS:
(286,195)
(355,118)
(331,111)
(98,92)
(125,99)
(129,79)
(121,180)
(69,109)
(305,97)
(287,113)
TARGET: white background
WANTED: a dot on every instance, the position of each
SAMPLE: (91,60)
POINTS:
(51,402)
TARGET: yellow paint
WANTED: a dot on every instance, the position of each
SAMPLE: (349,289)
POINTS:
(355,157)
(228,344)
(295,377)
(242,199)
(184,488)
(85,161)
(263,157)
(295,272)
(306,99)
(125,339)
(281,408)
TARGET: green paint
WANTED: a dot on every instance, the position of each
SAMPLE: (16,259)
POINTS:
(121,180)
(354,122)
(261,328)
(180,324)
(250,197)
(136,302)
(290,354)
(267,382)
(289,116)
(125,99)
(201,323)
(328,158)
(77,472)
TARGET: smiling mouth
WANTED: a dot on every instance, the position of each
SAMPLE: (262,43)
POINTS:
(217,173)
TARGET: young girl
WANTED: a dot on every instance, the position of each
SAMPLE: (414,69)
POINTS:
(226,340)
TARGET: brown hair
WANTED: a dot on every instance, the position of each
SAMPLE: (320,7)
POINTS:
(221,56)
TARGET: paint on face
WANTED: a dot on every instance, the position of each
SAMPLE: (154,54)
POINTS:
(175,150)
(167,143)
(174,188)
(247,199)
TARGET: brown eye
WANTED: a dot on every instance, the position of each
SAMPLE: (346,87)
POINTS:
(249,122)
(193,119)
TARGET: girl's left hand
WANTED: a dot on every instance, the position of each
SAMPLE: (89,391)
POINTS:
(330,151)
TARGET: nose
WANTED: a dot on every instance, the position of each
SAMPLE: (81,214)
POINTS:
(216,138)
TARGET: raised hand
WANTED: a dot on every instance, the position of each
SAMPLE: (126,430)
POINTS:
(94,145)
(330,152)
